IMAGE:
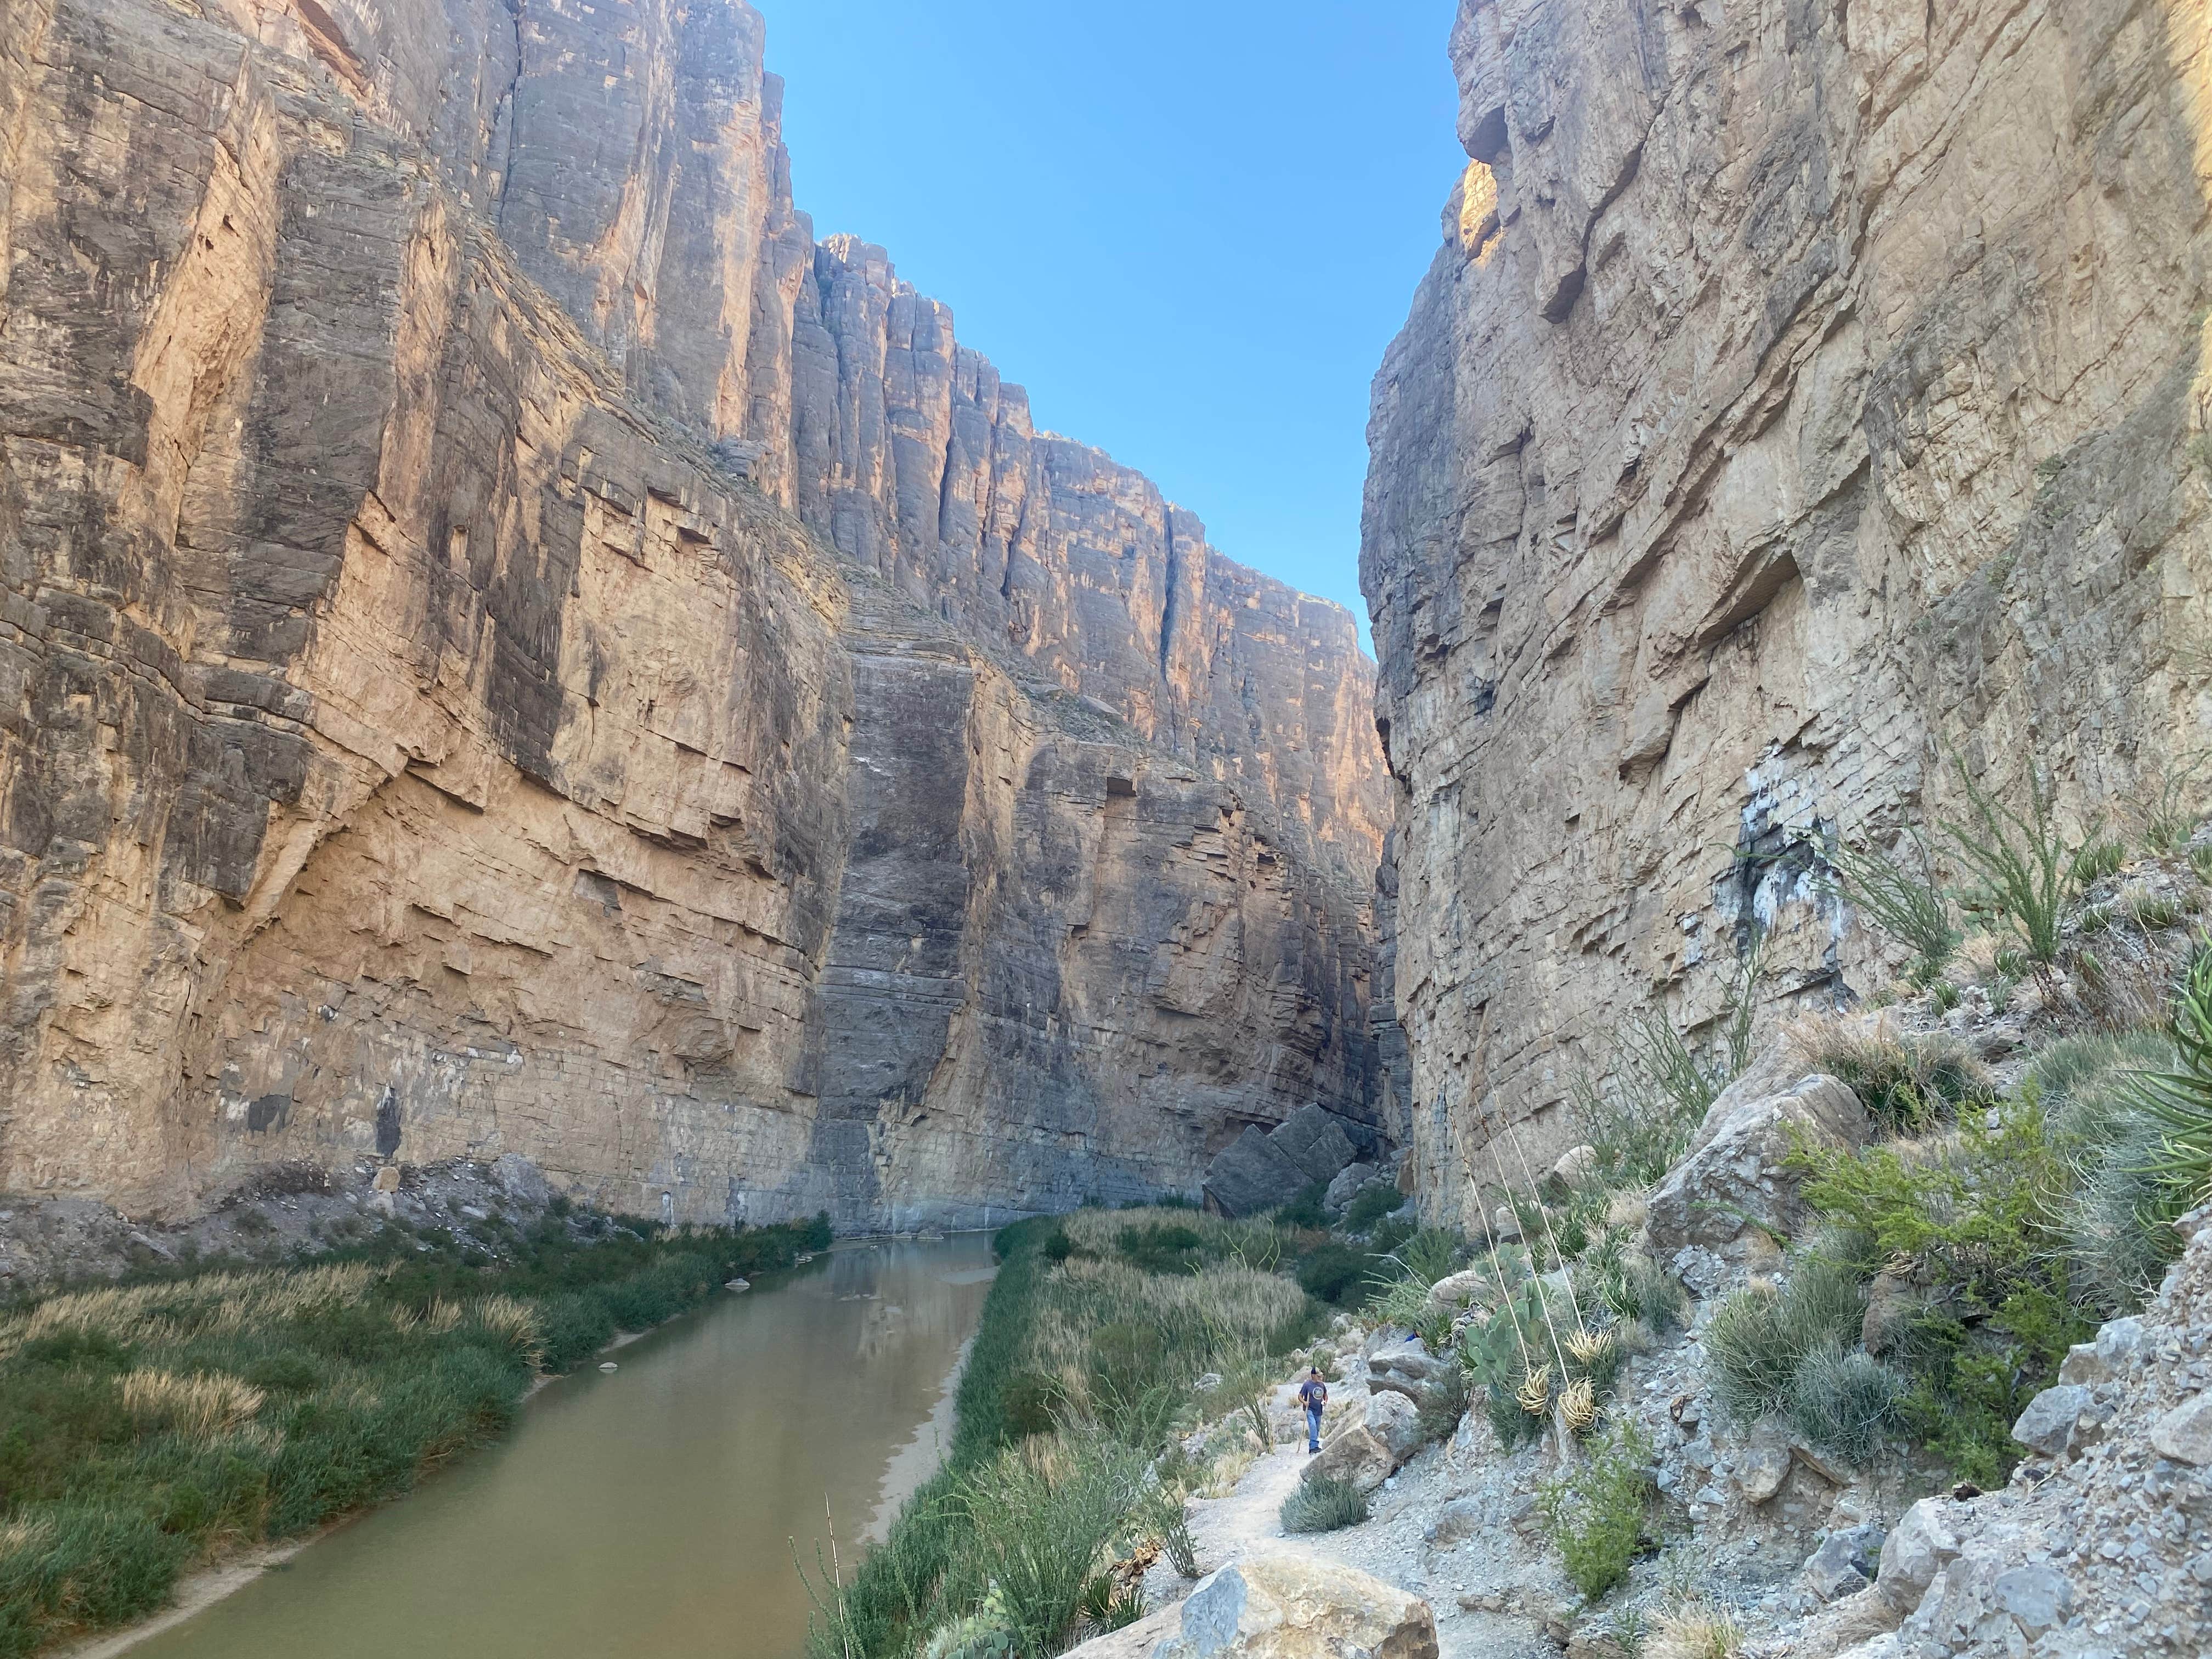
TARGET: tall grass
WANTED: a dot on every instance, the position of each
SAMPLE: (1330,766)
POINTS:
(147,1427)
(1083,1372)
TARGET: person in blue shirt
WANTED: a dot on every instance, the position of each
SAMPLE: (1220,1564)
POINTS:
(1313,1394)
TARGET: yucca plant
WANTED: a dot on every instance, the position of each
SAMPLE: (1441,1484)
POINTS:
(2179,1102)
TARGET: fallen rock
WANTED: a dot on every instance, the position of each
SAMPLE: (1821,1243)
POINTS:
(1844,1563)
(2184,1434)
(1295,1607)
(1575,1166)
(1314,1139)
(1347,1185)
(2047,1424)
(1733,1179)
(1367,1452)
(1761,1467)
(1460,1518)
(737,1284)
(520,1179)
(1252,1174)
(1924,1541)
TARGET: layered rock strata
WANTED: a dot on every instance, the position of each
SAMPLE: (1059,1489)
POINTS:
(1802,395)
(507,647)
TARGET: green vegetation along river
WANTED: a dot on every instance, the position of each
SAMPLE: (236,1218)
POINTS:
(652,1511)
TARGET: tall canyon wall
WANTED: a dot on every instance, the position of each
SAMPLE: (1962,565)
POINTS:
(507,644)
(1807,391)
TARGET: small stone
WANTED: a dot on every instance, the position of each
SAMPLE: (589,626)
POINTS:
(1761,1470)
(737,1284)
(1844,1563)
(607,1365)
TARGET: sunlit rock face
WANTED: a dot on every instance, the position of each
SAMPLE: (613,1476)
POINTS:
(507,645)
(1802,393)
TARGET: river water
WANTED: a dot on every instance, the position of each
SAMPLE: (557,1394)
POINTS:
(650,1512)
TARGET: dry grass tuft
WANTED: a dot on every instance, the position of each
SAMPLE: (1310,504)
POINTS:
(205,1406)
(215,1304)
(1694,1629)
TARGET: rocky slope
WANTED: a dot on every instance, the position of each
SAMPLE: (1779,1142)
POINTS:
(506,646)
(1802,393)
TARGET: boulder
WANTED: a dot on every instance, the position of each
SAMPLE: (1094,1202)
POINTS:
(2048,1423)
(1733,1175)
(1296,1606)
(1368,1450)
(1844,1563)
(2105,1359)
(1762,1467)
(1988,1603)
(1924,1542)
(1314,1140)
(1252,1174)
(1414,1372)
(1346,1186)
(1575,1166)
(2184,1434)
(1461,1289)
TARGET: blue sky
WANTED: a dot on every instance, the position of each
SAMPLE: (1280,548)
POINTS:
(1190,229)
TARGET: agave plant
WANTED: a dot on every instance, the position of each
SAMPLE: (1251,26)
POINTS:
(2179,1102)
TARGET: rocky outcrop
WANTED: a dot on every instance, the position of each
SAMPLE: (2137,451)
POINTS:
(1286,1605)
(507,646)
(1801,394)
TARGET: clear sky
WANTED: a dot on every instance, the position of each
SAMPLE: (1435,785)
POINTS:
(1189,228)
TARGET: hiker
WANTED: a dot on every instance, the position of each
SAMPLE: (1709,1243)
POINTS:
(1313,1394)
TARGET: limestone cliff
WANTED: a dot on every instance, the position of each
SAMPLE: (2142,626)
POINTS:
(508,645)
(1803,392)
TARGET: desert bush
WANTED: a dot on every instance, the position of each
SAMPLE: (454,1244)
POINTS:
(2178,1101)
(1336,1273)
(1323,1505)
(1900,897)
(1694,1629)
(1845,1402)
(2025,872)
(1635,1287)
(1902,1080)
(1759,1339)
(1369,1205)
(1596,1512)
(1305,1209)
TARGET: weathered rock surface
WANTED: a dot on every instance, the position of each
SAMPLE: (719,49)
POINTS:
(507,646)
(1801,392)
(1258,1171)
(1281,1606)
(1733,1177)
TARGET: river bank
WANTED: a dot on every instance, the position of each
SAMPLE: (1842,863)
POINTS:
(207,1412)
(653,1510)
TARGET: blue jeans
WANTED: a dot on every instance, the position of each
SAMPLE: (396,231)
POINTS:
(1313,1428)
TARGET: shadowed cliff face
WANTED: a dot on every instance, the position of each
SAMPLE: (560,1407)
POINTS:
(508,645)
(1803,392)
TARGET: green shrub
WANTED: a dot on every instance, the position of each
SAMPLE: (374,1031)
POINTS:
(1161,1246)
(1334,1273)
(1305,1209)
(1759,1337)
(1369,1205)
(1596,1512)
(1322,1505)
(2178,1102)
(2100,856)
(1058,1246)
(1634,1286)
